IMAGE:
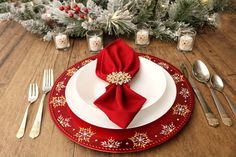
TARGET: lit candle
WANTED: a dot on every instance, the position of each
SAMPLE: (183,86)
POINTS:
(95,43)
(186,43)
(142,37)
(62,41)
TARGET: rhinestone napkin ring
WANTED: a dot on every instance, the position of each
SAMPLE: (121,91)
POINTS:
(118,78)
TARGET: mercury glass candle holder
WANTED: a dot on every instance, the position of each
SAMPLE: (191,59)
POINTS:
(95,40)
(186,40)
(61,41)
(142,37)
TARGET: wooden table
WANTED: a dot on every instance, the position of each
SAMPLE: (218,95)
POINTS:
(23,57)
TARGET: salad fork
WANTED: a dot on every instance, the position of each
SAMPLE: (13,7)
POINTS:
(47,85)
(32,97)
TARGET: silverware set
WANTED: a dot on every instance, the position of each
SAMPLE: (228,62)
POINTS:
(48,81)
(214,83)
(199,71)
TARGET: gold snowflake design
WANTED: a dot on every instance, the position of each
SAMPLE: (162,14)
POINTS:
(181,110)
(60,86)
(70,72)
(164,65)
(167,129)
(140,140)
(86,62)
(184,92)
(178,78)
(147,57)
(84,134)
(118,78)
(64,121)
(58,101)
(111,143)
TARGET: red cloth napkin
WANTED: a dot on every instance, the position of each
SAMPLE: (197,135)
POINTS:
(120,103)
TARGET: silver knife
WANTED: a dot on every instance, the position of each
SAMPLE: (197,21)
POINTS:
(212,120)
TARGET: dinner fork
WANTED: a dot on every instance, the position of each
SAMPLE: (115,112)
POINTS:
(47,85)
(32,97)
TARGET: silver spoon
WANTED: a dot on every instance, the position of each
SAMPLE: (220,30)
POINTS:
(218,84)
(202,74)
(211,119)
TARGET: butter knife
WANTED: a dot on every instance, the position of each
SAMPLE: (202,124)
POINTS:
(211,119)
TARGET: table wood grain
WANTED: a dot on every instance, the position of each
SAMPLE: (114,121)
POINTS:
(23,56)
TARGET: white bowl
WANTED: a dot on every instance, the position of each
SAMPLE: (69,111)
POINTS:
(150,82)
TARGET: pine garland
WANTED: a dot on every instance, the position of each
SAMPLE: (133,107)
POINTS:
(114,17)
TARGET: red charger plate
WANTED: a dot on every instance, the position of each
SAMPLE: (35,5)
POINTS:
(122,140)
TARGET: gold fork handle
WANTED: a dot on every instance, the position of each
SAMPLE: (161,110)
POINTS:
(21,131)
(35,130)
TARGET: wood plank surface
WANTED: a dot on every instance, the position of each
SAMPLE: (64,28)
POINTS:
(23,56)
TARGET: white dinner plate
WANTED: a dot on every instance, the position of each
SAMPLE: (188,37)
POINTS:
(80,99)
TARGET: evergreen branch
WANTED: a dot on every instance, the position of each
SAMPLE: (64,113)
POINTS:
(145,12)
(188,11)
(167,30)
(1,1)
(23,12)
(5,16)
(35,26)
(102,3)
(76,32)
(117,23)
(4,7)
(219,5)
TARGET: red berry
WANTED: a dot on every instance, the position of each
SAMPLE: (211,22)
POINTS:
(67,10)
(62,8)
(75,5)
(71,15)
(68,7)
(77,9)
(86,10)
(81,15)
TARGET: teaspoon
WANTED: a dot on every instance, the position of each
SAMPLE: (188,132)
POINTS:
(218,84)
(202,74)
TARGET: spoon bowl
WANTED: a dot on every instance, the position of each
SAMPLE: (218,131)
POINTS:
(200,71)
(217,83)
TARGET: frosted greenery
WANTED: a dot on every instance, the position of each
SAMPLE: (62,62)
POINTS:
(114,17)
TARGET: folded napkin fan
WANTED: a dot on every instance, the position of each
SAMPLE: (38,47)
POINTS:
(117,64)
